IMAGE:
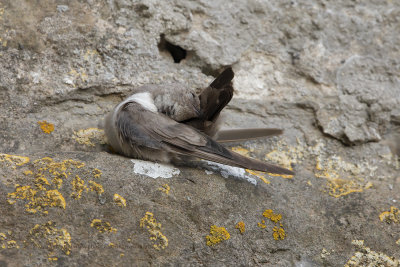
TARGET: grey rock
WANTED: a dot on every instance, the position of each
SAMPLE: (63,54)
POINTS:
(325,71)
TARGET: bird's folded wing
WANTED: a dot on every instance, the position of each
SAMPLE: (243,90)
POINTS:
(185,140)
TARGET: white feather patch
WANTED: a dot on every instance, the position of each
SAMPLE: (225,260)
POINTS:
(145,99)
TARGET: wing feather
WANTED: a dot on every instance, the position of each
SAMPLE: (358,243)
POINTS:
(155,130)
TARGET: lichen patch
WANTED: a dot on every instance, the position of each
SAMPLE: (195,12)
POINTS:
(217,235)
(160,241)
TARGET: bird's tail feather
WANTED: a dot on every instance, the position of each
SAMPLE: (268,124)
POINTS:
(235,135)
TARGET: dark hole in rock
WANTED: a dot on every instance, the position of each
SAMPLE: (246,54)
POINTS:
(177,52)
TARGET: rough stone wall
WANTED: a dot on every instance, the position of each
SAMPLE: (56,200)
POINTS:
(328,72)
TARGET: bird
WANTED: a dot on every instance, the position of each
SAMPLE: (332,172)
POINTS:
(169,122)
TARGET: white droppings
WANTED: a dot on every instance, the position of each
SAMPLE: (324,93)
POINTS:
(68,80)
(229,171)
(208,172)
(154,170)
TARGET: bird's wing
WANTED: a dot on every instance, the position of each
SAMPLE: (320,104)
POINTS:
(155,130)
(217,95)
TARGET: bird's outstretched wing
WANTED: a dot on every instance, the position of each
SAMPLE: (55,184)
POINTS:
(142,127)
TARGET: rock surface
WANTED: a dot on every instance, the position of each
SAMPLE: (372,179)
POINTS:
(326,72)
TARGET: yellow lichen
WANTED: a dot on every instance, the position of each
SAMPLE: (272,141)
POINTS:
(90,54)
(279,233)
(14,160)
(390,216)
(87,136)
(7,244)
(46,126)
(262,224)
(78,186)
(38,199)
(241,227)
(55,238)
(28,172)
(367,257)
(96,173)
(154,229)
(217,235)
(325,253)
(48,178)
(286,156)
(119,200)
(259,175)
(55,198)
(103,227)
(272,216)
(334,168)
(12,244)
(245,152)
(96,187)
(165,188)
(242,151)
(81,74)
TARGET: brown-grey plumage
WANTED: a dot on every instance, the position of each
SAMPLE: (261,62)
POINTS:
(213,100)
(166,122)
(135,131)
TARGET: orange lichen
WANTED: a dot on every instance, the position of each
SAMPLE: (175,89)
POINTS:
(154,229)
(119,200)
(279,233)
(217,235)
(165,188)
(241,226)
(46,126)
(390,216)
(55,238)
(103,227)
